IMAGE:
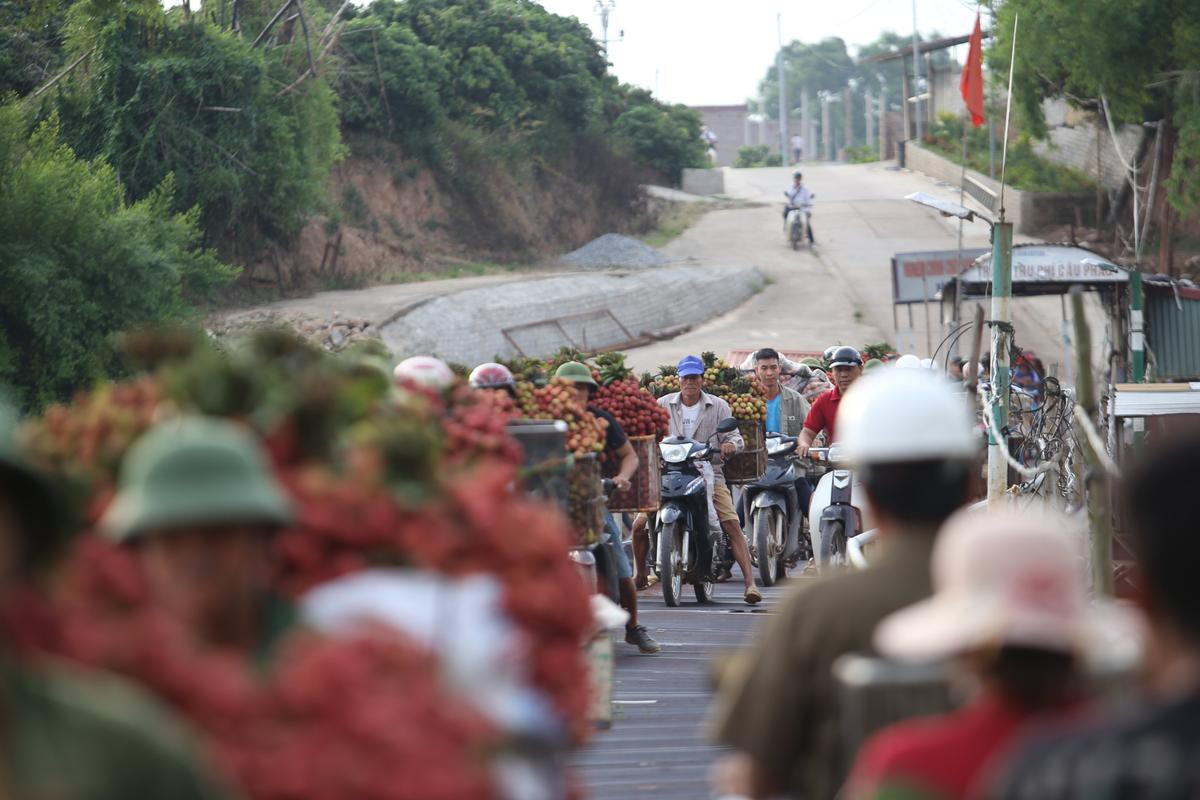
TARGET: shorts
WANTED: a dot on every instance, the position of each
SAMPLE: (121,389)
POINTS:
(624,568)
(723,503)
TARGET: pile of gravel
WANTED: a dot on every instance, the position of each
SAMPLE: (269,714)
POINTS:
(614,250)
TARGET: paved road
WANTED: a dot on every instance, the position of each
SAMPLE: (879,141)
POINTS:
(657,747)
(841,291)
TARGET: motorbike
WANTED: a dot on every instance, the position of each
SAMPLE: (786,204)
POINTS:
(773,514)
(797,226)
(839,521)
(686,542)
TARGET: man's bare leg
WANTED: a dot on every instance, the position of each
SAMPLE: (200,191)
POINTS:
(641,547)
(741,552)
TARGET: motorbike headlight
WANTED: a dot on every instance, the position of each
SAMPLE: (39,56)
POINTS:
(674,453)
(775,445)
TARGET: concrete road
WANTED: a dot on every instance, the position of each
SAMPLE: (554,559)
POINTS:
(841,291)
(658,746)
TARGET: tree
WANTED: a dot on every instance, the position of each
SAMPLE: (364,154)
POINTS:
(78,263)
(1138,56)
(664,138)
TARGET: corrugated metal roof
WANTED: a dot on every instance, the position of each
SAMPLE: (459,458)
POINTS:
(1173,332)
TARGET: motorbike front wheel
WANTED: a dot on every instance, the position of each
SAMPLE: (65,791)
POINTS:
(796,236)
(764,545)
(831,550)
(670,562)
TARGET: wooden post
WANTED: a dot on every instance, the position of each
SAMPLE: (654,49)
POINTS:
(1096,492)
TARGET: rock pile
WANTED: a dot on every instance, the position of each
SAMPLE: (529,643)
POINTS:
(332,333)
(612,250)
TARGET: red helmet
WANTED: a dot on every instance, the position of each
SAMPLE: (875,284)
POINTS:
(492,376)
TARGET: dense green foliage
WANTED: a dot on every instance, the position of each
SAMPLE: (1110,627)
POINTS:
(1026,169)
(1142,56)
(78,263)
(664,139)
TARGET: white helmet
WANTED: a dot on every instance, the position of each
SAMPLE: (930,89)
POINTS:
(898,415)
(908,361)
(927,363)
(424,371)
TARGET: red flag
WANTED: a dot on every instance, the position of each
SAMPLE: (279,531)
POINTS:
(971,84)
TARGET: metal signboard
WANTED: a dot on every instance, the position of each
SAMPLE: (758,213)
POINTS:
(917,277)
(1045,268)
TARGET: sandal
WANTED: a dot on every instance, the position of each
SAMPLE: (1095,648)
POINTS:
(753,596)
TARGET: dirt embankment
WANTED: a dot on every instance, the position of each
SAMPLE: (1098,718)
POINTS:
(392,219)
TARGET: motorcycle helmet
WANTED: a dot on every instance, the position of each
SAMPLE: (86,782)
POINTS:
(426,371)
(492,376)
(905,415)
(844,357)
(908,361)
(797,174)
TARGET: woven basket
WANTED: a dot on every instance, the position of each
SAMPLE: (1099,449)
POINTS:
(750,464)
(643,495)
(585,500)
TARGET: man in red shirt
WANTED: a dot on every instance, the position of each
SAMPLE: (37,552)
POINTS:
(847,366)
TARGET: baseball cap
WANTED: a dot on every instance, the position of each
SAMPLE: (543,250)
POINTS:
(690,365)
(1009,579)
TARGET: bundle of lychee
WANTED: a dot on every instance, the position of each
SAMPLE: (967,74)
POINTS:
(475,425)
(557,400)
(621,395)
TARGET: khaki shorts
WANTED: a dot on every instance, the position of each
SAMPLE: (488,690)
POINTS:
(723,502)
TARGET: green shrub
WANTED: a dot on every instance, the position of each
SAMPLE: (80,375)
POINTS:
(664,138)
(864,154)
(78,263)
(753,155)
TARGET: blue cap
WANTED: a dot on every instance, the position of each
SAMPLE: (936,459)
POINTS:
(690,365)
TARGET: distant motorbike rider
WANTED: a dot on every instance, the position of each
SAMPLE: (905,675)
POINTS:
(787,409)
(799,196)
(616,445)
(846,364)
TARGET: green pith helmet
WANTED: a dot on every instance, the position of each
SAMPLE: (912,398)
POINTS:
(810,361)
(577,372)
(872,363)
(41,512)
(194,471)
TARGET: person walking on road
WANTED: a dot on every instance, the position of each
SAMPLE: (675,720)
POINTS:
(797,148)
(617,447)
(694,414)
(777,705)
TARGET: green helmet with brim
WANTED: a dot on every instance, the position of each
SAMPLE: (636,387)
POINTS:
(195,471)
(577,372)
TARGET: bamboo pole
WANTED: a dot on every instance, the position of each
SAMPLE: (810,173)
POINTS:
(1096,489)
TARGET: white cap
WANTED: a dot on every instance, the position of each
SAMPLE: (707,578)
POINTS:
(897,415)
(1007,578)
(424,371)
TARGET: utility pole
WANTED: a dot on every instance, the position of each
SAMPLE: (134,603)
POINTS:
(826,129)
(847,118)
(917,76)
(1002,244)
(806,125)
(882,123)
(869,118)
(604,9)
(783,120)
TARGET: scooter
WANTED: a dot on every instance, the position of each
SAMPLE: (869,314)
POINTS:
(797,226)
(686,542)
(839,522)
(773,514)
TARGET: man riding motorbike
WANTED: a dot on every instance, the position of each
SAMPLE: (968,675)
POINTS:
(847,366)
(694,414)
(616,446)
(798,196)
(787,410)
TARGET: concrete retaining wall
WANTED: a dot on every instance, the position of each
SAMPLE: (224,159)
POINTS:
(1030,212)
(590,311)
(703,181)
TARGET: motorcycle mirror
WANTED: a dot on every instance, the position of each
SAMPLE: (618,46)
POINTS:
(727,425)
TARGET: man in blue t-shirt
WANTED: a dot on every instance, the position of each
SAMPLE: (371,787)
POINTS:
(786,410)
